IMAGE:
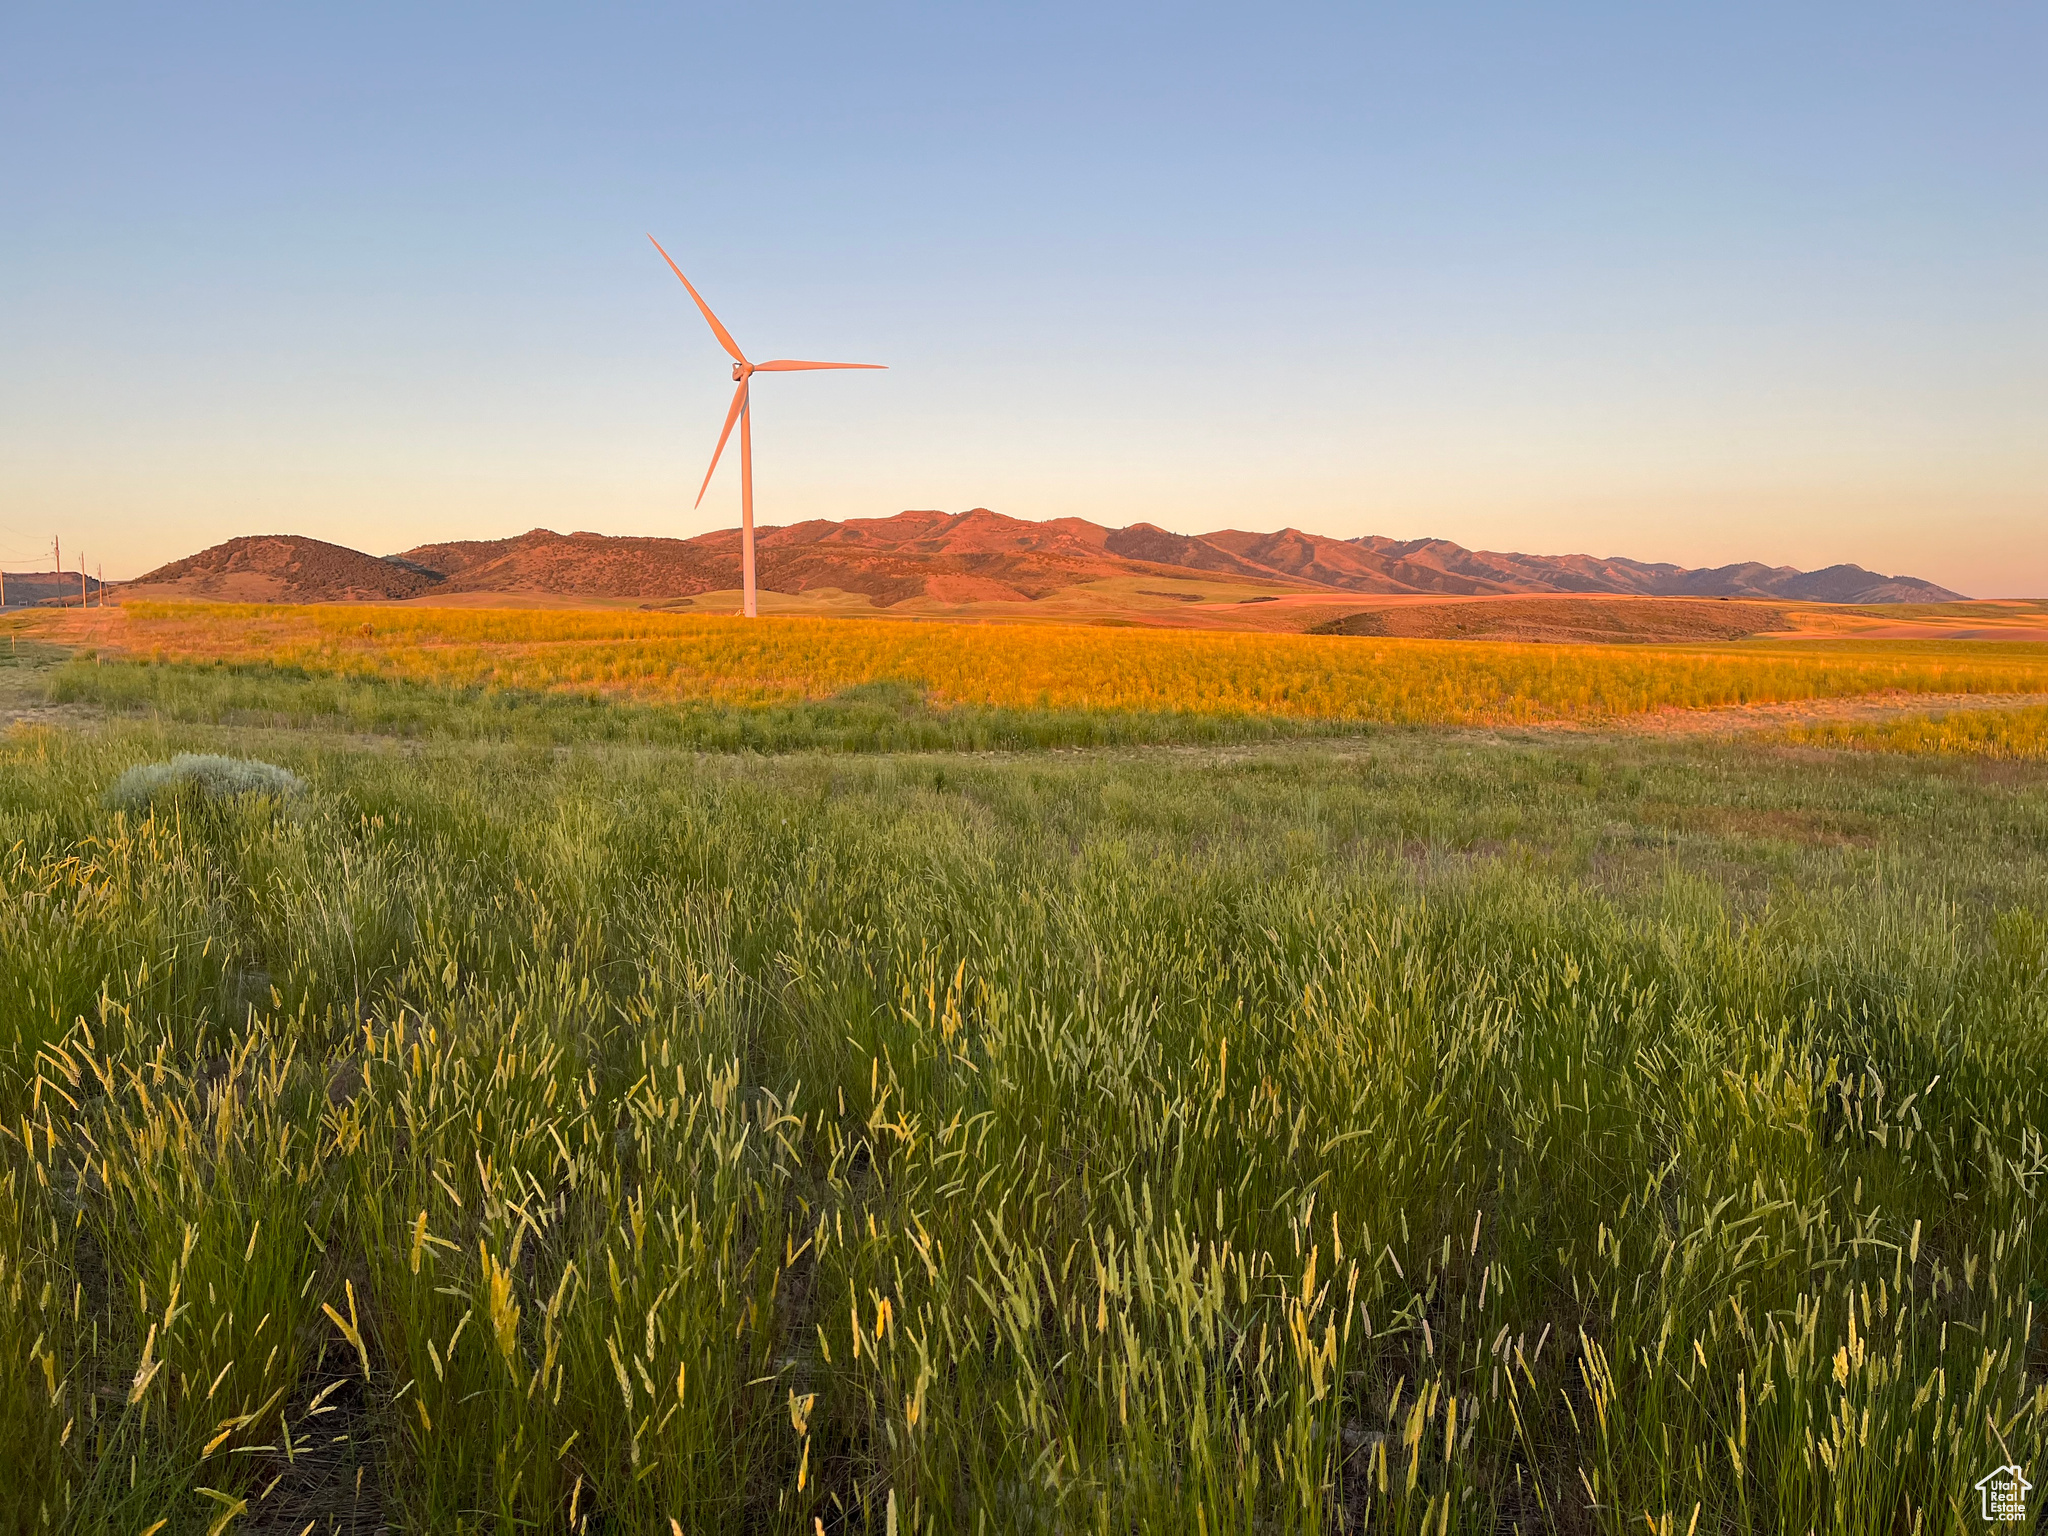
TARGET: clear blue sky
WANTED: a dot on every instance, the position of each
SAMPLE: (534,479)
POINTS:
(1696,283)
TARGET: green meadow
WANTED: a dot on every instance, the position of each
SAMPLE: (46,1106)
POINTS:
(562,1126)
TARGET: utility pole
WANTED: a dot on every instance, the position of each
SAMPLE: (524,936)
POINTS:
(57,560)
(100,575)
(83,595)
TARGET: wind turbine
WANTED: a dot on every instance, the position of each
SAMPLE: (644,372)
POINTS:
(742,373)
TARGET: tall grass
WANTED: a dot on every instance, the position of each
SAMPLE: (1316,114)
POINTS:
(512,1139)
(2014,734)
(672,658)
(868,717)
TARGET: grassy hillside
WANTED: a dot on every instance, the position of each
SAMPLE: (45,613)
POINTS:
(1432,1130)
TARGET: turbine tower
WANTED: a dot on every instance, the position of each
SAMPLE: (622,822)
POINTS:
(742,373)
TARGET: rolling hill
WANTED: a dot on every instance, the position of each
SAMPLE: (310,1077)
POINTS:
(283,568)
(966,557)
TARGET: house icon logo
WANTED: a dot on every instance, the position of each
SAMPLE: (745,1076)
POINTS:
(2004,1492)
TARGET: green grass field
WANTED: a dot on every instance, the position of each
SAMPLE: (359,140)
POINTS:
(560,1128)
(884,716)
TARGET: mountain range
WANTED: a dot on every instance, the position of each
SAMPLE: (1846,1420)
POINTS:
(960,558)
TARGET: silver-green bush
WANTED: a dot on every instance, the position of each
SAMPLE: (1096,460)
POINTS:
(206,777)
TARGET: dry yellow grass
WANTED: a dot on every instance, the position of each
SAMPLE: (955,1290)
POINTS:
(658,658)
(2013,734)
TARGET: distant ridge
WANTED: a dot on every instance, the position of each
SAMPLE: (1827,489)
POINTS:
(50,589)
(974,556)
(1584,573)
(575,565)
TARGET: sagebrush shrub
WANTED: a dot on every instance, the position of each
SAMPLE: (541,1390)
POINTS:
(206,777)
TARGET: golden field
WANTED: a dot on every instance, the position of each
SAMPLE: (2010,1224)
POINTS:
(2015,735)
(659,658)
